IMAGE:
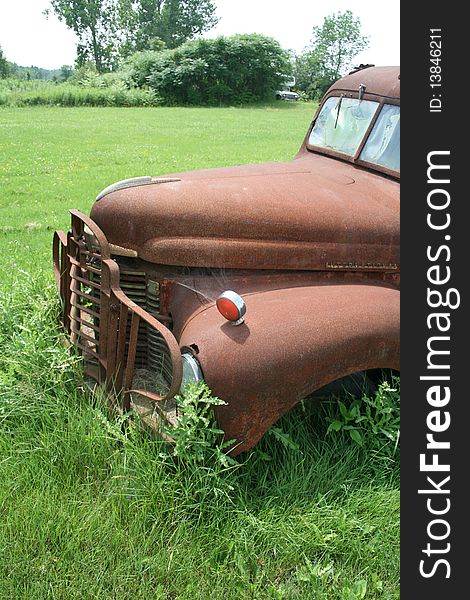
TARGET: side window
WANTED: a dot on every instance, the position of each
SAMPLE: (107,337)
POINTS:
(383,144)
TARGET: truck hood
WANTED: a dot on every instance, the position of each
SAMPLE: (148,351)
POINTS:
(314,212)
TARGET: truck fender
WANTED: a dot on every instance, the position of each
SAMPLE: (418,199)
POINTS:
(293,342)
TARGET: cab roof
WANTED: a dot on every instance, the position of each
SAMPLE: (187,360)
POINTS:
(380,81)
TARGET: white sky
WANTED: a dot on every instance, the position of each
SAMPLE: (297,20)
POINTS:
(27,38)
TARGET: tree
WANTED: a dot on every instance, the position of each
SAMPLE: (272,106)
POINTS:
(333,47)
(147,23)
(94,23)
(4,65)
(308,75)
(338,41)
(66,71)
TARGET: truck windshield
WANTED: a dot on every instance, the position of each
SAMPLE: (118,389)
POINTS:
(343,122)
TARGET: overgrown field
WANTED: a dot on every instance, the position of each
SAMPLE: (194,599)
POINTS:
(89,512)
(20,92)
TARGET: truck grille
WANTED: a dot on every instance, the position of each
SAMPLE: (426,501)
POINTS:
(152,351)
(111,311)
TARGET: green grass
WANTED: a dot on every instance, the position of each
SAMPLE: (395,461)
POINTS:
(89,513)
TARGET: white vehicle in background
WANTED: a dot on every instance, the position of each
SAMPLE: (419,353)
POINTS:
(287,93)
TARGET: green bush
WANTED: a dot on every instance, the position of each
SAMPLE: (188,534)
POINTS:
(237,69)
(87,76)
(136,70)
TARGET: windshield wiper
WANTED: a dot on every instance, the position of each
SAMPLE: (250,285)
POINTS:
(362,89)
(338,108)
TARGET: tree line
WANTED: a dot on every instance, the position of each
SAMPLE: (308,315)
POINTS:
(111,30)
(151,44)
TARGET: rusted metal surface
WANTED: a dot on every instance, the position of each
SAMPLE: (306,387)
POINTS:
(312,246)
(378,81)
(299,215)
(294,341)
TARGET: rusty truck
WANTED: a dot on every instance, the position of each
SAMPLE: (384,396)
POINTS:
(266,281)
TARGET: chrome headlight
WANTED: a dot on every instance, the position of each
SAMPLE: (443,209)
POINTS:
(192,372)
